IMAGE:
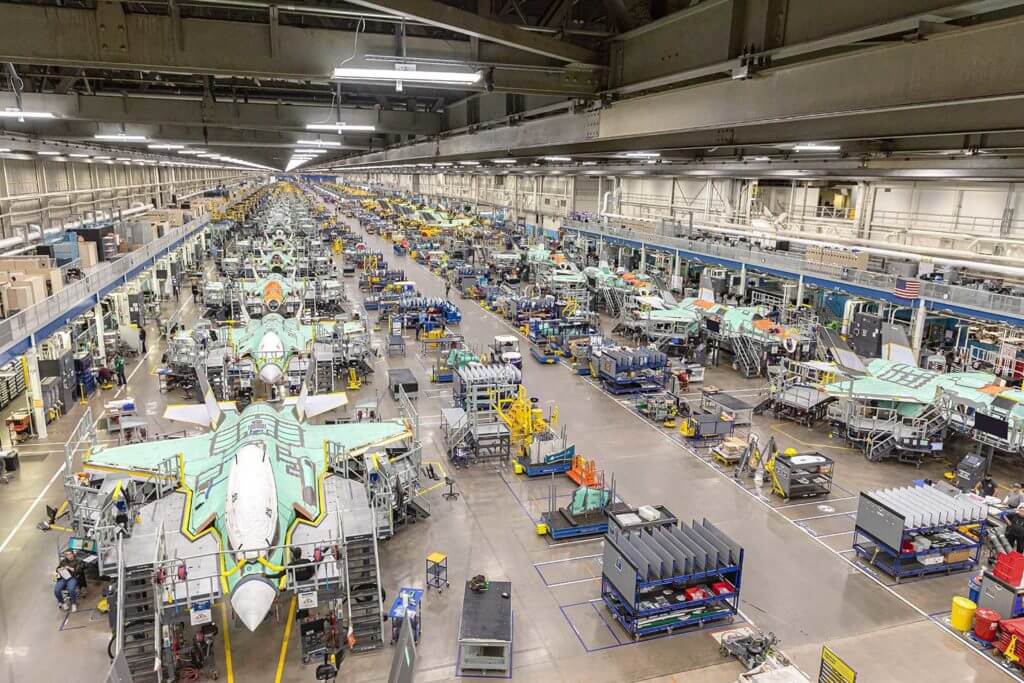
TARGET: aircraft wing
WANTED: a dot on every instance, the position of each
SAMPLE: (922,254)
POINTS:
(244,340)
(359,437)
(875,389)
(143,460)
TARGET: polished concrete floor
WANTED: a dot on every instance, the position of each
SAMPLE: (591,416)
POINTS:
(800,580)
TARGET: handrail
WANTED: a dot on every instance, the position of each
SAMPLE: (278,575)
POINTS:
(35,317)
(119,628)
(755,257)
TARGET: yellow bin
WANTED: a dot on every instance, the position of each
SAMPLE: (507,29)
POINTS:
(963,614)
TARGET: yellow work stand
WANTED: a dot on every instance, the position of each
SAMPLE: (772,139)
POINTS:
(437,571)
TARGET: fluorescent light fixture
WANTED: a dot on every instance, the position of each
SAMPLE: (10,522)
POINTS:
(503,161)
(557,158)
(18,114)
(48,154)
(4,150)
(102,158)
(120,137)
(408,73)
(643,155)
(444,164)
(340,127)
(191,152)
(79,156)
(589,163)
(122,159)
(166,146)
(815,147)
(761,159)
(469,163)
(319,143)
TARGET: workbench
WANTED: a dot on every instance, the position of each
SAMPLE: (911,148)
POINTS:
(402,377)
(741,412)
(803,475)
(485,631)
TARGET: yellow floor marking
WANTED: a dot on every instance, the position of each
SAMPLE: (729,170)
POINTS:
(284,641)
(778,428)
(228,664)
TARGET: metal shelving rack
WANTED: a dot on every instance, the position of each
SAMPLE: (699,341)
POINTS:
(889,520)
(651,569)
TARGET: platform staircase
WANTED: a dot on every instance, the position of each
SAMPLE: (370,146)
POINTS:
(137,602)
(362,588)
(746,355)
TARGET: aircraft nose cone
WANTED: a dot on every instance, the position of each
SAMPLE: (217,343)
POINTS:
(252,599)
(271,374)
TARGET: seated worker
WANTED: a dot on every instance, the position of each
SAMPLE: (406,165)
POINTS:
(986,487)
(304,570)
(105,377)
(70,576)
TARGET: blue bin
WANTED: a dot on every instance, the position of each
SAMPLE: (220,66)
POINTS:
(974,589)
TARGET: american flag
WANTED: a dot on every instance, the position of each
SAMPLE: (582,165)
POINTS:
(907,289)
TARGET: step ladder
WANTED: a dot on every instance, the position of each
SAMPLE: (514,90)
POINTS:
(362,587)
(138,600)
(747,360)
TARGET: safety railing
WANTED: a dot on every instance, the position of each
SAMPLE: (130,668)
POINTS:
(755,257)
(21,325)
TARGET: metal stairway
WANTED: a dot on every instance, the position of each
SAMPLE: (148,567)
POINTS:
(747,359)
(612,305)
(137,599)
(362,586)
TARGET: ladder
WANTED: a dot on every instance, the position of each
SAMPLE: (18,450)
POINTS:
(362,587)
(138,601)
(747,359)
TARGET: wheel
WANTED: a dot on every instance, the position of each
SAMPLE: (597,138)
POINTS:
(214,674)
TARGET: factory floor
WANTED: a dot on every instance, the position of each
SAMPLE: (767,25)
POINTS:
(800,580)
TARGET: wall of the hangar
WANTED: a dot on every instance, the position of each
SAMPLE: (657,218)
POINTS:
(985,217)
(39,192)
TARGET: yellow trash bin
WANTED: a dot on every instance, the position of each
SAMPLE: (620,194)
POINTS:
(963,614)
(542,528)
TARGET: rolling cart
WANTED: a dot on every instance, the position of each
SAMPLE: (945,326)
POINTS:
(406,605)
(313,638)
(437,571)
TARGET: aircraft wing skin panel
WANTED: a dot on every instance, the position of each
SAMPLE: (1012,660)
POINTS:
(360,436)
(145,457)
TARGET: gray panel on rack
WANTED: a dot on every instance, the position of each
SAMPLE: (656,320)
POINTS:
(734,547)
(712,551)
(689,560)
(668,560)
(879,521)
(724,553)
(621,571)
(699,554)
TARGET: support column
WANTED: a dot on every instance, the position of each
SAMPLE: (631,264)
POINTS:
(918,332)
(643,258)
(98,312)
(35,389)
(743,280)
(800,290)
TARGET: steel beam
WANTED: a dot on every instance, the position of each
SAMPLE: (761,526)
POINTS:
(953,83)
(68,37)
(484,28)
(969,64)
(169,110)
